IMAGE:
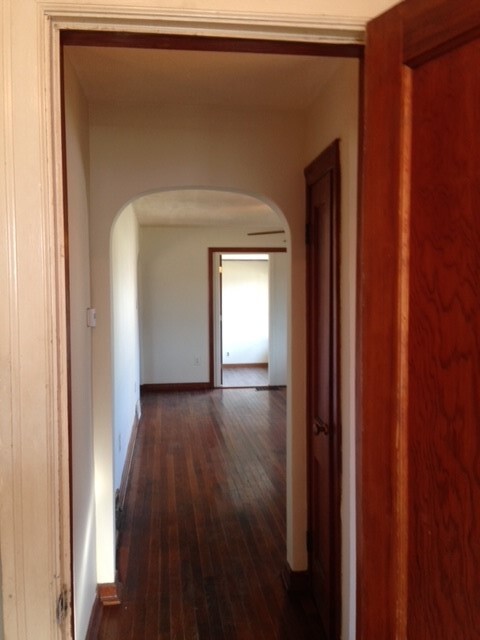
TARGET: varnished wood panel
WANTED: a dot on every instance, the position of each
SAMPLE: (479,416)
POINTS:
(435,27)
(202,546)
(207,43)
(110,594)
(444,350)
(322,178)
(419,478)
(380,530)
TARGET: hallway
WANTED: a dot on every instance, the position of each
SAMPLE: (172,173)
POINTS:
(202,537)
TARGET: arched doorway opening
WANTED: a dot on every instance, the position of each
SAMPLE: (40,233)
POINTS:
(160,257)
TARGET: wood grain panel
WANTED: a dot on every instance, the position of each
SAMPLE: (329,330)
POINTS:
(444,415)
(207,43)
(322,178)
(381,532)
(435,27)
(420,452)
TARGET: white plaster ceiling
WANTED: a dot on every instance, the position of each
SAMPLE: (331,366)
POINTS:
(204,207)
(242,80)
(163,76)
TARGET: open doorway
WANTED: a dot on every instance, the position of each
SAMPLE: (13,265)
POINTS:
(133,148)
(249,314)
(244,319)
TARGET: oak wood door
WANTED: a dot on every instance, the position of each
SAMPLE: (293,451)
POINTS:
(419,320)
(322,179)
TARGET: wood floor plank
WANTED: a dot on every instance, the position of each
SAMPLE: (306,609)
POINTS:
(202,537)
(244,376)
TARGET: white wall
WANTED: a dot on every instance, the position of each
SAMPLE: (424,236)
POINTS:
(134,151)
(125,338)
(245,317)
(174,298)
(83,498)
(335,115)
(174,307)
(278,331)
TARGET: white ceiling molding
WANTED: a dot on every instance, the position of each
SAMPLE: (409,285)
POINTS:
(318,29)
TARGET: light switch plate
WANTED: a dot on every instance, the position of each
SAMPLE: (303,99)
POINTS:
(91,317)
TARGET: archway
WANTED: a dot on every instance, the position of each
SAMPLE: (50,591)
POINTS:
(210,216)
(159,267)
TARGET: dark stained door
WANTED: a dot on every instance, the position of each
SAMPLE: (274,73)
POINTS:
(419,320)
(322,178)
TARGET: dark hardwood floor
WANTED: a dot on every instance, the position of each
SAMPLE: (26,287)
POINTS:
(202,540)
(245,376)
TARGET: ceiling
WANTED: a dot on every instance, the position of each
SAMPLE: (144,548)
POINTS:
(153,76)
(204,207)
(200,78)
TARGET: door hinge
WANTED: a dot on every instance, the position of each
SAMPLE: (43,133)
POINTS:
(62,606)
(309,542)
(307,233)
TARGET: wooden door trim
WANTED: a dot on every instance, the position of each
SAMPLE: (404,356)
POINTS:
(381,534)
(327,161)
(187,42)
(431,31)
(390,556)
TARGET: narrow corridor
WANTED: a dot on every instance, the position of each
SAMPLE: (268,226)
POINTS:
(202,535)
